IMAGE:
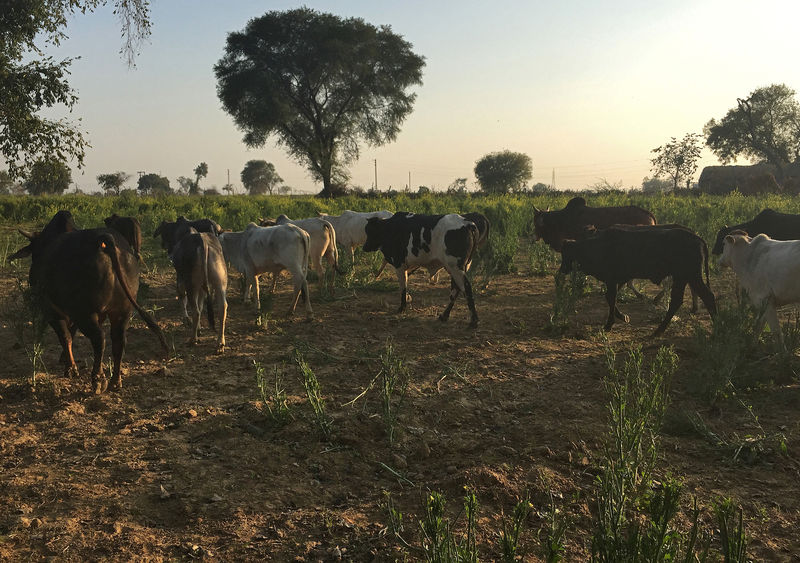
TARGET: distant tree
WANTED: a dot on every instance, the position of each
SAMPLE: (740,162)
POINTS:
(185,185)
(211,191)
(656,185)
(540,188)
(113,182)
(765,126)
(259,177)
(457,186)
(7,183)
(677,159)
(154,184)
(320,84)
(48,176)
(504,171)
(200,172)
(31,81)
(284,189)
(422,190)
(228,189)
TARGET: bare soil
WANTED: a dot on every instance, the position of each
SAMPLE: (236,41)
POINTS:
(185,462)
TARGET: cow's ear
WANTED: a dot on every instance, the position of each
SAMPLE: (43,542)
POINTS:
(730,239)
(27,234)
(547,210)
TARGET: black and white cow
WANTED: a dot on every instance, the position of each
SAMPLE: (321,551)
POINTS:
(409,241)
(777,226)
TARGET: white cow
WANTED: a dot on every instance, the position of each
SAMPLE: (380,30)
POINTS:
(323,243)
(350,227)
(768,270)
(258,250)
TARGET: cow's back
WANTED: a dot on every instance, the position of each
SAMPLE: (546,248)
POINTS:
(78,277)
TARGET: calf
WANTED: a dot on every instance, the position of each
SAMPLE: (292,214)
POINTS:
(257,250)
(201,274)
(172,232)
(617,255)
(768,270)
(80,278)
(322,237)
(130,229)
(777,226)
(350,227)
(409,241)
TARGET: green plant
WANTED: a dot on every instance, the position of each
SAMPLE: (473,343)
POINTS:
(394,384)
(731,527)
(273,395)
(568,289)
(439,543)
(556,527)
(22,310)
(315,399)
(509,536)
(541,259)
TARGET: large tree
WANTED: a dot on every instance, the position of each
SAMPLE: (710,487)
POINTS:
(677,159)
(765,126)
(113,181)
(319,84)
(259,177)
(499,172)
(154,184)
(201,171)
(48,176)
(31,81)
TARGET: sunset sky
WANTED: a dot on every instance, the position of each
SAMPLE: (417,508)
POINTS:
(584,88)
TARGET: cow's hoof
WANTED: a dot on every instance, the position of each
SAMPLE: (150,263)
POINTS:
(608,326)
(626,319)
(443,317)
(115,384)
(99,386)
(71,371)
(221,349)
(658,332)
(473,323)
(187,321)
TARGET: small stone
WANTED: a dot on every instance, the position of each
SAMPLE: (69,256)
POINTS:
(164,494)
(117,527)
(191,413)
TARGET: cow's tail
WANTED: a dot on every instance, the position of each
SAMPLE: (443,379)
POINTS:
(332,238)
(705,258)
(474,237)
(108,246)
(209,305)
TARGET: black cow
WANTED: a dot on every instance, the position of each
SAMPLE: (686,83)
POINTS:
(202,276)
(129,228)
(617,255)
(554,227)
(171,233)
(80,278)
(777,226)
(409,241)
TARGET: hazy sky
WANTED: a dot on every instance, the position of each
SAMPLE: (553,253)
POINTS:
(586,88)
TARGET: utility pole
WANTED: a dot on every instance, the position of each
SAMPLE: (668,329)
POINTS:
(553,182)
(376,173)
(409,180)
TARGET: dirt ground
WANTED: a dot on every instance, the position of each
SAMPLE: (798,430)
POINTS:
(186,463)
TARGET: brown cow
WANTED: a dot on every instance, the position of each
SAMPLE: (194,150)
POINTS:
(129,228)
(554,227)
(81,278)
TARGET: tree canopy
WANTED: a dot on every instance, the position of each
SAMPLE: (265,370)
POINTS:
(31,81)
(113,182)
(319,84)
(154,184)
(201,171)
(677,159)
(504,171)
(259,177)
(48,176)
(765,126)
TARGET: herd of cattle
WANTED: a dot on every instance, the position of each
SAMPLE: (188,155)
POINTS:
(81,277)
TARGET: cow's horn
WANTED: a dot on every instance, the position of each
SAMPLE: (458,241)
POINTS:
(26,234)
(536,209)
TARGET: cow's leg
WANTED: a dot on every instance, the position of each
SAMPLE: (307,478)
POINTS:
(700,289)
(771,316)
(65,333)
(675,302)
(90,327)
(611,298)
(380,270)
(454,291)
(402,279)
(330,259)
(119,326)
(316,262)
(256,290)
